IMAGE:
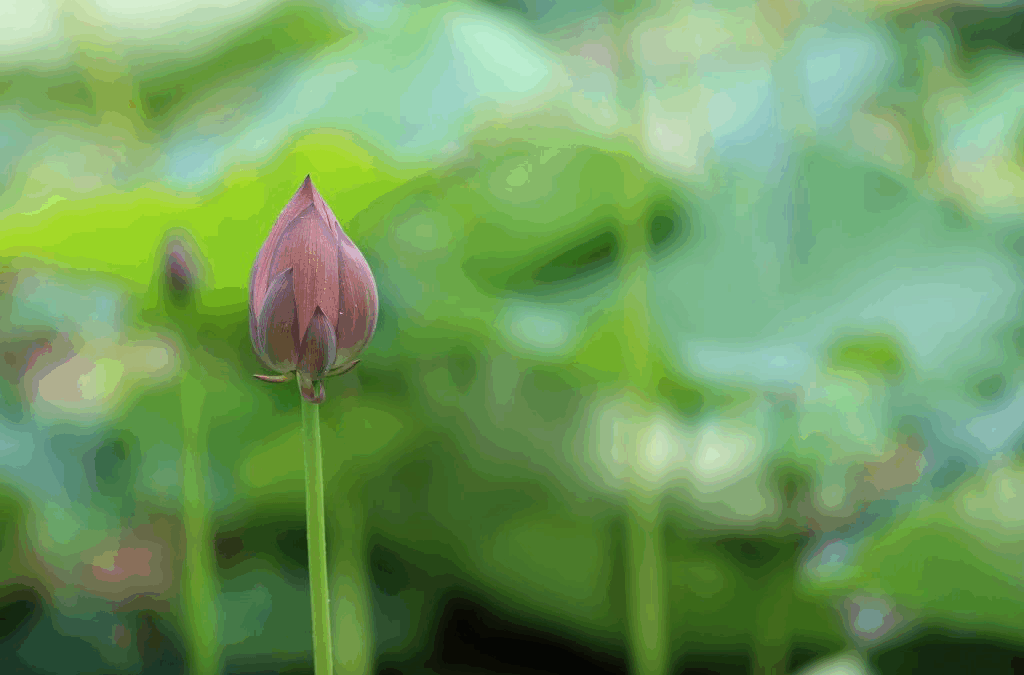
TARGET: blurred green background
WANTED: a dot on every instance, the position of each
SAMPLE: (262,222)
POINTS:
(699,347)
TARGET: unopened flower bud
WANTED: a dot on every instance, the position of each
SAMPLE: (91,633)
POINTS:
(182,269)
(312,297)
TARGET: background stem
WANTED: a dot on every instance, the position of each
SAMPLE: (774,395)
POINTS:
(772,625)
(353,603)
(201,619)
(646,590)
(323,663)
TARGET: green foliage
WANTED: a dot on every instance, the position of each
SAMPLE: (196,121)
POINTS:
(285,33)
(875,354)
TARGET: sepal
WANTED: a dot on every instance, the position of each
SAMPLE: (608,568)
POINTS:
(342,369)
(287,377)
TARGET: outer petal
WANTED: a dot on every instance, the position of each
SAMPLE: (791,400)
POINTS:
(307,246)
(253,308)
(277,331)
(342,369)
(316,354)
(262,273)
(304,240)
(357,319)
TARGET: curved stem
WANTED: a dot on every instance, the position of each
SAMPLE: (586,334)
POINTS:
(323,663)
(199,576)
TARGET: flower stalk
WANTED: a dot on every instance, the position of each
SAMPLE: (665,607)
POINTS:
(646,589)
(199,574)
(316,538)
(646,570)
(181,277)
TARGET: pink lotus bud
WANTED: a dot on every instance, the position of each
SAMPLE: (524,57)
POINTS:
(183,269)
(179,272)
(312,297)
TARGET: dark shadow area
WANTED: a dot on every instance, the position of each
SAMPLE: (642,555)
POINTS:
(979,29)
(567,264)
(759,556)
(941,651)
(471,638)
(291,669)
(803,653)
(738,663)
(159,646)
(281,540)
(21,609)
(669,226)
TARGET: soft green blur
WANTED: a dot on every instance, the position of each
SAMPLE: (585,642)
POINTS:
(684,388)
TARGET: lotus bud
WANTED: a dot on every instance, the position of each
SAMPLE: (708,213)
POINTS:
(312,297)
(182,268)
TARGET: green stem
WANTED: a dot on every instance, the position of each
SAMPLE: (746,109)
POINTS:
(323,663)
(199,575)
(647,598)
